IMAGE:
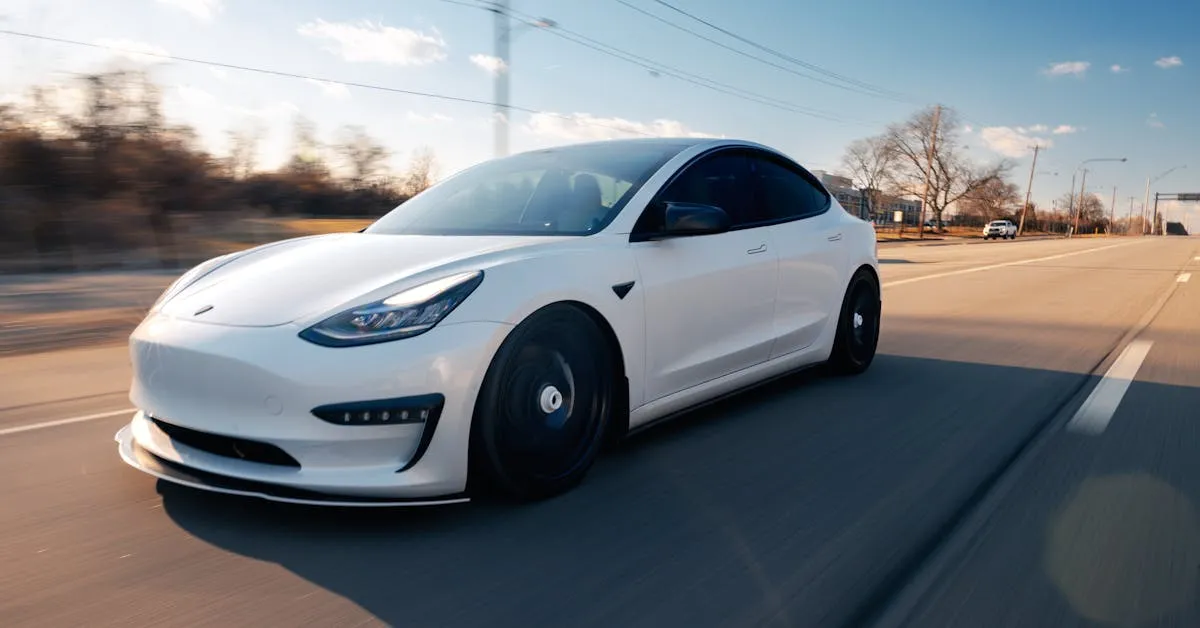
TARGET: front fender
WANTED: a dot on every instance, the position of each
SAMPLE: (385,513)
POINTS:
(585,274)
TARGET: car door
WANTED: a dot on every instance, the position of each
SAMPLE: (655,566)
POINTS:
(709,299)
(808,239)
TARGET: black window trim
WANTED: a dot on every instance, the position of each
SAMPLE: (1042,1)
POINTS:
(752,152)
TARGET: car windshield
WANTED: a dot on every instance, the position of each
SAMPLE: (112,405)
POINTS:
(998,223)
(570,190)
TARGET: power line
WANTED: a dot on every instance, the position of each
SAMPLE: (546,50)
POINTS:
(743,53)
(683,75)
(877,91)
(294,75)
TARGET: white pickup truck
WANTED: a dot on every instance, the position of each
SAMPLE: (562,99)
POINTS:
(1000,229)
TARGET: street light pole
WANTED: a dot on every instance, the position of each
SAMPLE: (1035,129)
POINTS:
(503,33)
(1149,181)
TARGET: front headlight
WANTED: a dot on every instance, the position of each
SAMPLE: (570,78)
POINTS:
(188,279)
(402,315)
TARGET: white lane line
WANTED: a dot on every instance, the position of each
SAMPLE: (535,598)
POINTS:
(1095,413)
(77,419)
(1184,278)
(977,269)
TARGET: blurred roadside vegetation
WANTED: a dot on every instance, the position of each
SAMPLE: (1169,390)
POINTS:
(110,184)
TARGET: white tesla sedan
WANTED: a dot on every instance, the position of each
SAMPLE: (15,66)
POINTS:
(500,326)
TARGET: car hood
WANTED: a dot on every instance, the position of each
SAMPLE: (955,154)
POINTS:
(282,282)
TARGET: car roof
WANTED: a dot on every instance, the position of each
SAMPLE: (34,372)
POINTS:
(677,143)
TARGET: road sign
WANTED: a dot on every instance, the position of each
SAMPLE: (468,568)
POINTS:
(1188,197)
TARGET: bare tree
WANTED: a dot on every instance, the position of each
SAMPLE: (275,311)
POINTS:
(243,150)
(992,200)
(952,176)
(421,173)
(364,157)
(870,163)
(1091,210)
(306,160)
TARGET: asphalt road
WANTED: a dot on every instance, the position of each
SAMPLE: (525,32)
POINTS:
(951,485)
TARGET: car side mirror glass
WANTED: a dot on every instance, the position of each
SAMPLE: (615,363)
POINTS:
(691,219)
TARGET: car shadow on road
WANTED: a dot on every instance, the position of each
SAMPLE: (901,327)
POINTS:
(800,503)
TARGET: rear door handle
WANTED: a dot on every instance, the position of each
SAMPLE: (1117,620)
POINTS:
(835,237)
(762,248)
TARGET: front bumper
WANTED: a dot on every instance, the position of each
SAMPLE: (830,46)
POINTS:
(260,384)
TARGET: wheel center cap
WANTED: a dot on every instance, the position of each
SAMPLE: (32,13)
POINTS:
(550,400)
(858,320)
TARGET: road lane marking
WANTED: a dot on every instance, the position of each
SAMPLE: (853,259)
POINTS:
(77,419)
(1095,413)
(1184,278)
(977,269)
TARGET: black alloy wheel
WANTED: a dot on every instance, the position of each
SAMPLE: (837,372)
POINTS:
(858,326)
(544,406)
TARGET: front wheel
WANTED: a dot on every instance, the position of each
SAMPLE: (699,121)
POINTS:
(545,404)
(858,326)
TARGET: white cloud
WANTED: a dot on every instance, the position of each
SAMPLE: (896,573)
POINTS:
(220,73)
(1077,68)
(138,51)
(367,42)
(1065,129)
(195,97)
(1153,122)
(204,10)
(413,116)
(968,129)
(1118,69)
(1038,128)
(332,90)
(1012,142)
(489,64)
(580,127)
(1169,62)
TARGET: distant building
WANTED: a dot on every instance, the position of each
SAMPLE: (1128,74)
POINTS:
(855,201)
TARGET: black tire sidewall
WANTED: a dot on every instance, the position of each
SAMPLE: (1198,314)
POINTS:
(488,470)
(843,359)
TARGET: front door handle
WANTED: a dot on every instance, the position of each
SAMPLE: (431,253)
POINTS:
(762,248)
(835,237)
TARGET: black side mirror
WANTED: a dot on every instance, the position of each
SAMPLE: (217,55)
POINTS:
(690,219)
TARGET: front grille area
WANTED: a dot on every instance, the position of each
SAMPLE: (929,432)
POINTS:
(227,446)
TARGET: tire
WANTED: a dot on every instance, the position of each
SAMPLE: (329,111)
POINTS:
(857,336)
(527,441)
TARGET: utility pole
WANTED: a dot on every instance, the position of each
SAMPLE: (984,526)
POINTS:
(1112,210)
(1146,204)
(1129,218)
(503,34)
(1079,209)
(937,118)
(1154,225)
(1028,189)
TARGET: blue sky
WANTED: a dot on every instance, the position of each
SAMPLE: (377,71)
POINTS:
(989,61)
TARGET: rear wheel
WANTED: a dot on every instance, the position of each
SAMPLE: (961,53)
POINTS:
(544,406)
(858,326)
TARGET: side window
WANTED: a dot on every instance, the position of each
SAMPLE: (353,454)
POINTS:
(783,193)
(721,179)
